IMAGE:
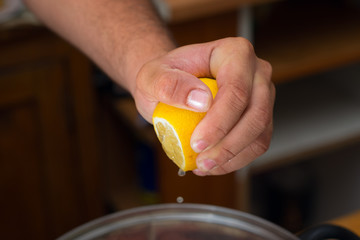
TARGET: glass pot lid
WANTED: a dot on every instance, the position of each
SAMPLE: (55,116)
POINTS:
(179,222)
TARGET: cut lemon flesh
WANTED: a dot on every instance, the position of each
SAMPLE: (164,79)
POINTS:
(170,141)
(174,127)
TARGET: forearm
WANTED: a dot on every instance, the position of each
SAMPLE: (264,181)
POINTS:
(118,35)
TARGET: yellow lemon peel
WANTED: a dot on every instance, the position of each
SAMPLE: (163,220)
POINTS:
(174,127)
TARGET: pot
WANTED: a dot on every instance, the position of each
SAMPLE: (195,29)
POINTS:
(193,222)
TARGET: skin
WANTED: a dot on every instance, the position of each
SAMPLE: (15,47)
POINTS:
(129,42)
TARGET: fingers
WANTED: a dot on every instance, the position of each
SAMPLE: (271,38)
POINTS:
(234,66)
(250,135)
(255,149)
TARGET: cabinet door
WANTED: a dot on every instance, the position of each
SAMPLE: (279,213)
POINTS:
(40,175)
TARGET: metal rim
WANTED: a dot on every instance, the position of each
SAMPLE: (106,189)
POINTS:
(216,215)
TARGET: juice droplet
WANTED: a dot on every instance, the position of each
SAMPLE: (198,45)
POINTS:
(181,173)
(179,199)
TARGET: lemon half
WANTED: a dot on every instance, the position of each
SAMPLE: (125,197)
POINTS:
(174,127)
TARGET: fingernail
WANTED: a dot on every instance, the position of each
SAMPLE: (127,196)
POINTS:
(206,165)
(198,99)
(199,146)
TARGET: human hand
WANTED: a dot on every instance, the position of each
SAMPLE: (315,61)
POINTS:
(238,125)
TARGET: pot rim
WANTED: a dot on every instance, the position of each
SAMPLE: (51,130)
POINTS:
(195,212)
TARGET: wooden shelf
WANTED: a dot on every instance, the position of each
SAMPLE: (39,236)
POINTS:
(319,112)
(303,39)
(312,116)
(176,11)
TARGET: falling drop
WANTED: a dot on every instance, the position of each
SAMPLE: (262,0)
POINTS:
(181,173)
(179,199)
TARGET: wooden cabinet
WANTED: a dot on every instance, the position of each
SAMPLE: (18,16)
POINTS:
(49,178)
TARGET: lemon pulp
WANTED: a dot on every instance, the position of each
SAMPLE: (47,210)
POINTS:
(169,141)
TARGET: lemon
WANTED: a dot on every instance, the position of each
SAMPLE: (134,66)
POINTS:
(174,127)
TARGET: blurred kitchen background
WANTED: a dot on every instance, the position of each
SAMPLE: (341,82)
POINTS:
(73,148)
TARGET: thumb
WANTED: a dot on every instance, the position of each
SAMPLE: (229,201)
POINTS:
(183,90)
(177,88)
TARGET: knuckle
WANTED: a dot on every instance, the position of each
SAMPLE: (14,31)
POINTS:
(226,154)
(219,131)
(260,120)
(272,94)
(238,97)
(246,46)
(259,147)
(220,169)
(165,86)
(266,69)
(263,116)
(241,44)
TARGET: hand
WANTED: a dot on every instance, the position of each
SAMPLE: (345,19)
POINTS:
(238,125)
